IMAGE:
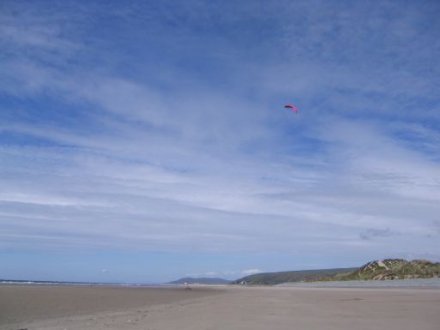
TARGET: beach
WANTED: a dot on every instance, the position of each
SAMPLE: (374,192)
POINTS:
(220,307)
(24,304)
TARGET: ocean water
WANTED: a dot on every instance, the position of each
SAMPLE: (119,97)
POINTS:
(410,283)
(56,283)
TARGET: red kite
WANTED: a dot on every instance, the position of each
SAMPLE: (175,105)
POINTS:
(291,107)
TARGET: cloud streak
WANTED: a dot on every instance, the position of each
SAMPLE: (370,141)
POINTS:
(176,140)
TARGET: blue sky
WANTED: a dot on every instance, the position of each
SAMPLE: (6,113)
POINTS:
(141,141)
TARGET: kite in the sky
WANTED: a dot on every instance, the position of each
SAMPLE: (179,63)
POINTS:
(292,107)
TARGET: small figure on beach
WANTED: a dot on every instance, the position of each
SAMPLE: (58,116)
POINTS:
(187,287)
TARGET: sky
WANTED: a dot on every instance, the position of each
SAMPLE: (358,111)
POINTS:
(143,141)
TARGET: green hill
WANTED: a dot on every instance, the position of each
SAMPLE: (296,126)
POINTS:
(387,269)
(292,276)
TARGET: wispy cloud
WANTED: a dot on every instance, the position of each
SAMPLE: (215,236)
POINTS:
(164,130)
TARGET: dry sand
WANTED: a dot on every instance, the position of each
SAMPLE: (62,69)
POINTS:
(219,308)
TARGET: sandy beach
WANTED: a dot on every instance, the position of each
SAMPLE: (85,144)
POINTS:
(23,304)
(40,307)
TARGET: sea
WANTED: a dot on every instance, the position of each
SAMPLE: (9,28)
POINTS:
(59,283)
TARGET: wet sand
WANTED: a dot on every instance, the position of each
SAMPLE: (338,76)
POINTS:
(233,308)
(27,303)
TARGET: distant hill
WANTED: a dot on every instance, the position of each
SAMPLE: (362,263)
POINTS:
(387,269)
(393,269)
(200,280)
(293,276)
